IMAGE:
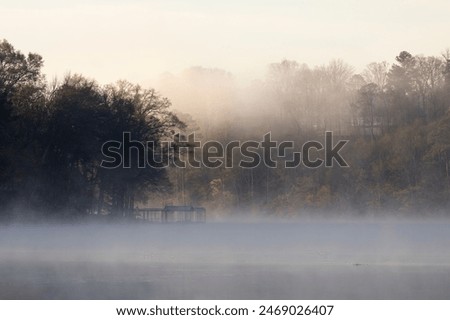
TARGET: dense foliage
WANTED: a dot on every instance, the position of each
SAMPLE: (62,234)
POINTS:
(51,138)
(396,118)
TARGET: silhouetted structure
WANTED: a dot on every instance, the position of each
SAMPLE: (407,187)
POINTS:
(172,214)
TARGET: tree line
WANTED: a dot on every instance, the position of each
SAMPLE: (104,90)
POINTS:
(396,118)
(51,138)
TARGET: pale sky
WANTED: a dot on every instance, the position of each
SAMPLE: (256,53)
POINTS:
(138,40)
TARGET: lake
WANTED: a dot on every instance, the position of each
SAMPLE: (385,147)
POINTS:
(227,260)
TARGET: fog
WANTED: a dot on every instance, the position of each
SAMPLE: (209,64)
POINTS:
(370,101)
(227,260)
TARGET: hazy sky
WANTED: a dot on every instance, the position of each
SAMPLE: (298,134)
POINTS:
(138,40)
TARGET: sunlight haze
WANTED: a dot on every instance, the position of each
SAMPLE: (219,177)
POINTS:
(139,40)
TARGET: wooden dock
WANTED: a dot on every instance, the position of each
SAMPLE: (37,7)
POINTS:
(172,214)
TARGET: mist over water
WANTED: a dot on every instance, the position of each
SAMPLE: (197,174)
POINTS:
(227,260)
(328,118)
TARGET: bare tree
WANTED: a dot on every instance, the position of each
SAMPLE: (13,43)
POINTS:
(377,73)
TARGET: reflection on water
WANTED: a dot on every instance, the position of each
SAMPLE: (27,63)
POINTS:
(313,260)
